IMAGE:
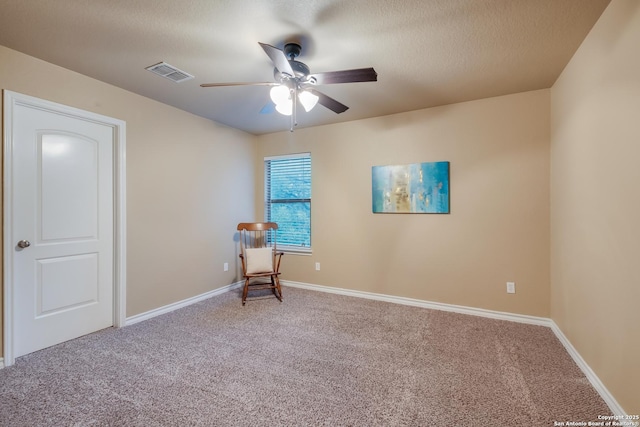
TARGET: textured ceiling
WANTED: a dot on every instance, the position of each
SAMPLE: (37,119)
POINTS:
(426,52)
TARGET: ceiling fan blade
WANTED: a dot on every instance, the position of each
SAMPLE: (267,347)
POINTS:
(239,84)
(268,108)
(327,101)
(278,58)
(345,76)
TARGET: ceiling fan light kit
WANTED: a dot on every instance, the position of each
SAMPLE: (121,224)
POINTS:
(282,96)
(308,100)
(294,82)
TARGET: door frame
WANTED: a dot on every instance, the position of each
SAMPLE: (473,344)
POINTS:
(12,99)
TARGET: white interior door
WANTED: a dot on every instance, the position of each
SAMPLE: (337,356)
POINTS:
(62,226)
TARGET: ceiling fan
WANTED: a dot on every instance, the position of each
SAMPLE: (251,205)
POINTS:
(295,84)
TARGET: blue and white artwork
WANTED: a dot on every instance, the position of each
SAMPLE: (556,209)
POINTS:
(415,188)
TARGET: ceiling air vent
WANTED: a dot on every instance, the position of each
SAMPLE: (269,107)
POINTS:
(169,72)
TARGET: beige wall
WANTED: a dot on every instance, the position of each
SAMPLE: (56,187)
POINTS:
(498,229)
(595,201)
(188,182)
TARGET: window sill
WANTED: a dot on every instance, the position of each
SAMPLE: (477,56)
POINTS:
(292,250)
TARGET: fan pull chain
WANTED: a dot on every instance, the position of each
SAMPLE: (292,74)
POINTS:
(294,107)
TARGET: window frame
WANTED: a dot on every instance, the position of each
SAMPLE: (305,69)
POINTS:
(293,249)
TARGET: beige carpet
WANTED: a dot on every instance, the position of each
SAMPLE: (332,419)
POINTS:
(314,360)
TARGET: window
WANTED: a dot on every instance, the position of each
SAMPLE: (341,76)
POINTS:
(287,199)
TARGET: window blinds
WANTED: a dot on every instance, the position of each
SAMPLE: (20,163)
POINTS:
(288,198)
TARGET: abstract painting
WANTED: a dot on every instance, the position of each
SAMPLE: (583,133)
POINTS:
(414,188)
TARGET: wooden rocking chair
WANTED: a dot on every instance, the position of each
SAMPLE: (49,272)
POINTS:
(260,257)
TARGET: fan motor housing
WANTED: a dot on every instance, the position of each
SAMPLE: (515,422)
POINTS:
(300,70)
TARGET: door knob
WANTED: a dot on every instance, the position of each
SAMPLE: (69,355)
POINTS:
(24,244)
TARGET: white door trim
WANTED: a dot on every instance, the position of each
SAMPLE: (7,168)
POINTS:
(12,99)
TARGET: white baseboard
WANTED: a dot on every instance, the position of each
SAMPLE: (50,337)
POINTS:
(1,362)
(512,317)
(614,406)
(180,304)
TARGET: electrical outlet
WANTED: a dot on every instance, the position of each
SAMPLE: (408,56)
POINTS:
(511,287)
(226,266)
(317,266)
